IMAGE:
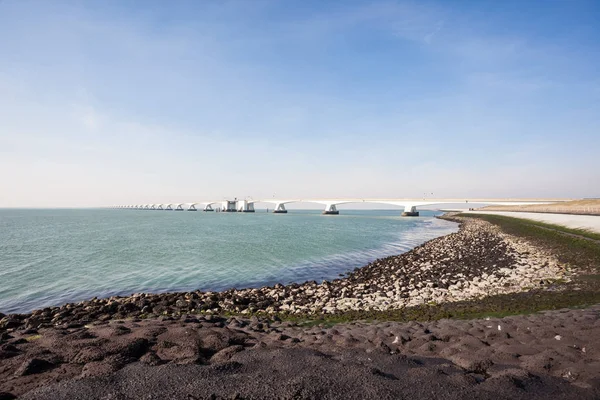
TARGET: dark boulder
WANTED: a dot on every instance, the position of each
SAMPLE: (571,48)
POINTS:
(89,354)
(151,358)
(33,366)
(119,330)
(4,336)
(134,348)
(9,323)
(127,308)
(225,355)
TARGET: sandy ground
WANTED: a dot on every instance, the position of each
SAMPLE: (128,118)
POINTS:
(585,206)
(550,355)
(590,222)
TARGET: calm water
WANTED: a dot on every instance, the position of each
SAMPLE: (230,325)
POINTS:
(49,257)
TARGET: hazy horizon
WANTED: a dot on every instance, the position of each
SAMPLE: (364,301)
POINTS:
(135,102)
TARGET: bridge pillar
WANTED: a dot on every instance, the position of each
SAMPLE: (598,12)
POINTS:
(330,210)
(244,206)
(410,211)
(280,209)
(192,208)
(179,207)
(229,206)
(208,207)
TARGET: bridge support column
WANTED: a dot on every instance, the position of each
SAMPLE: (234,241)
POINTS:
(179,207)
(208,207)
(280,209)
(192,208)
(245,206)
(410,211)
(229,206)
(330,210)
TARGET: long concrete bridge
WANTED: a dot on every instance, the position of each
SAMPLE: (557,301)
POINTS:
(409,205)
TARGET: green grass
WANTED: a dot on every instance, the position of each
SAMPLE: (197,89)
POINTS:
(506,220)
(579,253)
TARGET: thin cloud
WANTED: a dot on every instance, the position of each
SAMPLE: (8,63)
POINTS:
(429,37)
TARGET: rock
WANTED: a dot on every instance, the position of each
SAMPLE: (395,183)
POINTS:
(133,348)
(119,330)
(472,364)
(382,347)
(151,358)
(33,366)
(34,322)
(127,308)
(98,368)
(513,376)
(88,354)
(226,354)
(9,323)
(215,341)
(5,353)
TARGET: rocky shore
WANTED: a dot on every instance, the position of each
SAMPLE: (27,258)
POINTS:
(550,355)
(113,348)
(479,260)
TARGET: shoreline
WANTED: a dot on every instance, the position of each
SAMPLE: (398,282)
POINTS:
(482,270)
(200,269)
(477,261)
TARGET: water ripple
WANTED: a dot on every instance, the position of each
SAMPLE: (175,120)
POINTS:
(49,257)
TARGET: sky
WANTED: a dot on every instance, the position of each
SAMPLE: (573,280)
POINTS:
(126,102)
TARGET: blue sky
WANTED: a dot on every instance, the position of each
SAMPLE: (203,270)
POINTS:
(149,101)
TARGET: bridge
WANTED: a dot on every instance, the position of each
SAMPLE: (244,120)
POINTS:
(409,205)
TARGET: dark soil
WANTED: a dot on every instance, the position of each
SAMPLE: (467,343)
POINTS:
(555,354)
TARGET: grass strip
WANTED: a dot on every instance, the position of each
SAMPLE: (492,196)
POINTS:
(577,252)
(514,222)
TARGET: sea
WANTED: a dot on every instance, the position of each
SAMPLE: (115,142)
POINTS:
(51,257)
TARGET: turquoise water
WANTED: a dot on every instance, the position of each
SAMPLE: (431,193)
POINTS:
(49,257)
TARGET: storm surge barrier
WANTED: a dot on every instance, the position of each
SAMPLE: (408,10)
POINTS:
(409,206)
